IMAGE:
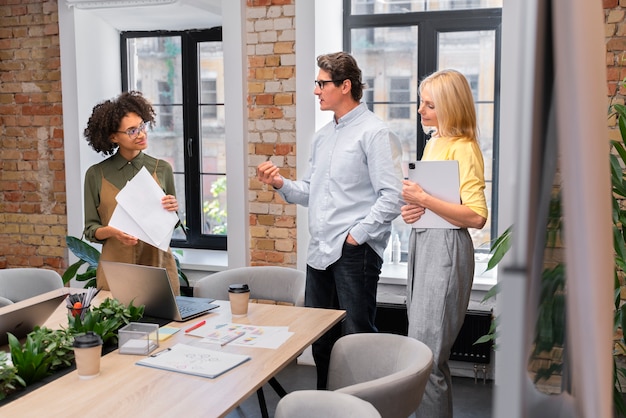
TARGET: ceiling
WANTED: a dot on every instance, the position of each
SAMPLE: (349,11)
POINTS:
(146,15)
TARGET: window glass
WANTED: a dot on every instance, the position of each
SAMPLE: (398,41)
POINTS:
(387,57)
(473,54)
(213,143)
(190,133)
(394,59)
(365,7)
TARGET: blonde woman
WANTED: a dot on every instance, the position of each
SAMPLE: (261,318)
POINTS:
(441,261)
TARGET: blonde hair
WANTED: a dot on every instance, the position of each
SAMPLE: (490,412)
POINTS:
(452,97)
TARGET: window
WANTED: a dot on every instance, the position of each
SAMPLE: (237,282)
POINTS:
(400,43)
(182,73)
(399,92)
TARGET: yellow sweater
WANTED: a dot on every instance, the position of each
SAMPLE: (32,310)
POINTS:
(471,168)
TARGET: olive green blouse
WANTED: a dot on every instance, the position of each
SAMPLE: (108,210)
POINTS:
(118,171)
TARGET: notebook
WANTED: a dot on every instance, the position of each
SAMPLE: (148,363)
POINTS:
(441,180)
(150,286)
(21,317)
(197,361)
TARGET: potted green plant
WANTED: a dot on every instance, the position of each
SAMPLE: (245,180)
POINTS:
(90,256)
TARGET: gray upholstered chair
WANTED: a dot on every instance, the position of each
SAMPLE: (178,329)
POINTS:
(323,403)
(17,284)
(387,370)
(267,283)
(272,283)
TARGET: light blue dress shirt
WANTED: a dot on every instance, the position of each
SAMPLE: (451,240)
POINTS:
(353,185)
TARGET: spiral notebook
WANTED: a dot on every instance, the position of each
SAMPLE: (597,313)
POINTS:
(441,180)
(183,358)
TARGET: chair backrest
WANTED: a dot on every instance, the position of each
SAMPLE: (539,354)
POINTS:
(269,283)
(389,371)
(17,284)
(323,403)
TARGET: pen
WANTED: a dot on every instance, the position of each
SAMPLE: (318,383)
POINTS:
(160,352)
(198,325)
(268,158)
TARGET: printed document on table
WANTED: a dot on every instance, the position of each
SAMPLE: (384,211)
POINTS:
(139,211)
(242,335)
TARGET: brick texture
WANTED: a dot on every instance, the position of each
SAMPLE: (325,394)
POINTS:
(271,98)
(33,222)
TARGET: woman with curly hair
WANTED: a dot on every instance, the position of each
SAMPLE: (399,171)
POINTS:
(118,128)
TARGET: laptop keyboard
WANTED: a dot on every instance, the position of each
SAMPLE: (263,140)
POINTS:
(188,308)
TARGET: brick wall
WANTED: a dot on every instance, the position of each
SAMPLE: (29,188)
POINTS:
(615,33)
(271,126)
(33,220)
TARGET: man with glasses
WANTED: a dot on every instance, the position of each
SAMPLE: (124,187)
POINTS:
(118,128)
(353,191)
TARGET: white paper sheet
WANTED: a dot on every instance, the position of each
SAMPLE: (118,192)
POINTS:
(139,211)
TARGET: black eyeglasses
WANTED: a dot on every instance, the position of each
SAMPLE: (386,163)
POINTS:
(134,132)
(320,83)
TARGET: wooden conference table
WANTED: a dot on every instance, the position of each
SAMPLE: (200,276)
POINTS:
(124,389)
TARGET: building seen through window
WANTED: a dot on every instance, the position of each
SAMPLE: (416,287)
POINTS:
(398,43)
(182,74)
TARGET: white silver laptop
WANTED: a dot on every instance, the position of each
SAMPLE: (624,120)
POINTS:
(150,286)
(441,180)
(21,317)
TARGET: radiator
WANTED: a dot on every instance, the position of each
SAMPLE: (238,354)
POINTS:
(476,325)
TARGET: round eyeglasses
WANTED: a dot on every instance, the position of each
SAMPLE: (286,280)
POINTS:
(134,132)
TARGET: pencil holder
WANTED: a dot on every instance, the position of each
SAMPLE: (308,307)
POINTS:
(138,338)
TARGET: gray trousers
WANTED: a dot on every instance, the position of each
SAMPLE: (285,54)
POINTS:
(440,274)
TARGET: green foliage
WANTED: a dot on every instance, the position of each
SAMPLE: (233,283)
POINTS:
(57,344)
(618,185)
(31,359)
(106,319)
(90,256)
(45,351)
(9,379)
(213,212)
(500,247)
(86,255)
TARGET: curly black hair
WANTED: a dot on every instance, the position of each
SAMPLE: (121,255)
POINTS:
(106,117)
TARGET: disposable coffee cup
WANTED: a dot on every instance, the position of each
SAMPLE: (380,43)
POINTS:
(239,296)
(87,353)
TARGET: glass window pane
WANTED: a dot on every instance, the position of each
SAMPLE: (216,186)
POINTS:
(364,7)
(213,137)
(473,54)
(154,66)
(214,205)
(388,59)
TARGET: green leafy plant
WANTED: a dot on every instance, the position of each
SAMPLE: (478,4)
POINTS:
(86,255)
(90,256)
(57,344)
(31,359)
(618,183)
(216,216)
(9,379)
(106,319)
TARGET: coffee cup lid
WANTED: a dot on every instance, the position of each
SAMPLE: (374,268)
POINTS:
(86,340)
(238,288)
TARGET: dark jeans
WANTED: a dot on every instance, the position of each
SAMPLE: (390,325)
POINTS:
(350,284)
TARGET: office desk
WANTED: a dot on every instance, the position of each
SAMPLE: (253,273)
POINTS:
(125,389)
